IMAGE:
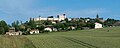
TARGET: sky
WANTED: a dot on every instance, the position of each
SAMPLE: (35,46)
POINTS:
(22,10)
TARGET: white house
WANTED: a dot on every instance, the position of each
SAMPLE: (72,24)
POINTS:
(73,28)
(48,29)
(98,25)
(55,29)
(34,32)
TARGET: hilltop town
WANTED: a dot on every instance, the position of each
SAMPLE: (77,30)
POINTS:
(52,24)
(59,23)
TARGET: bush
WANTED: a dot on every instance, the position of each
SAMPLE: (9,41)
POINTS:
(45,31)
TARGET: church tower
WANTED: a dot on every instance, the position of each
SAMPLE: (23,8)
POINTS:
(97,16)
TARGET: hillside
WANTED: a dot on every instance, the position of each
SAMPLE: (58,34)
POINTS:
(99,38)
(95,38)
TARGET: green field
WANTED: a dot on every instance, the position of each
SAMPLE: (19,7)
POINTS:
(95,38)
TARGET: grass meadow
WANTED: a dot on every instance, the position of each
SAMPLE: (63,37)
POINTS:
(94,38)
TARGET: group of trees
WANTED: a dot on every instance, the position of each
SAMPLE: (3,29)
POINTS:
(65,25)
(110,22)
(3,27)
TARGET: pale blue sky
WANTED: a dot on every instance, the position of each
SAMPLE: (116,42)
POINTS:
(11,10)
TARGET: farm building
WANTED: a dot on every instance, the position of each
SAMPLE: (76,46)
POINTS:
(36,31)
(98,25)
(55,29)
(12,32)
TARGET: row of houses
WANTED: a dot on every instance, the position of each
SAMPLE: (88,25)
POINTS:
(36,31)
(13,32)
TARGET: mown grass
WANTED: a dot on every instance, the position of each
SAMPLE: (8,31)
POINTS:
(95,38)
(15,42)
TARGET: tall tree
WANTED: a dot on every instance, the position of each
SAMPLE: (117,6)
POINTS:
(16,25)
(2,31)
(31,23)
(3,27)
(50,17)
(110,22)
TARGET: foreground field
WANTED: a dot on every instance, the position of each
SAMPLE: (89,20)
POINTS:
(99,38)
(96,38)
(15,42)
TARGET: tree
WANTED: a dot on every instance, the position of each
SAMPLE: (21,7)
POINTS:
(98,21)
(66,19)
(59,25)
(50,17)
(2,31)
(31,24)
(81,24)
(47,22)
(22,28)
(3,27)
(40,28)
(110,22)
(16,25)
(90,25)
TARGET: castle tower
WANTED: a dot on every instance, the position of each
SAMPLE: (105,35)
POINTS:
(64,15)
(39,18)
